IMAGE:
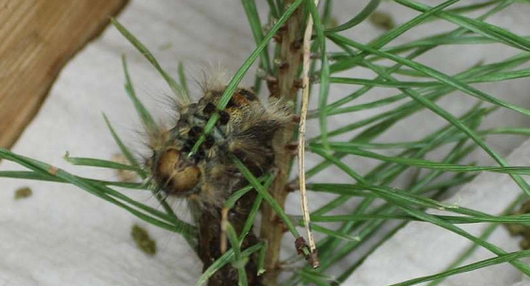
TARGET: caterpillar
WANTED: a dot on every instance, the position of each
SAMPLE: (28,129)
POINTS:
(245,129)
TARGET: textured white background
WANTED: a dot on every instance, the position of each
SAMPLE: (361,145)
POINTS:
(64,236)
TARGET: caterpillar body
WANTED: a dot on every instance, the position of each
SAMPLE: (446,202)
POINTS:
(245,129)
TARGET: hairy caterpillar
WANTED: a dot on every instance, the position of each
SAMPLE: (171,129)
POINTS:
(245,129)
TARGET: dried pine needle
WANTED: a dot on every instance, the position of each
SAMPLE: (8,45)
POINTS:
(313,257)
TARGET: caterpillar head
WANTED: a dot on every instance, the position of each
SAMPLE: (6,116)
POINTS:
(174,173)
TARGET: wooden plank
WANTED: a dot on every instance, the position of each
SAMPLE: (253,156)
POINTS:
(37,37)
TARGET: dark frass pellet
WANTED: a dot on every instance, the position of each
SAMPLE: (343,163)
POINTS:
(382,20)
(521,230)
(143,241)
(23,193)
(332,23)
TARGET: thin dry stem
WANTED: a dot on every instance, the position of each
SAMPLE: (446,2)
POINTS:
(301,139)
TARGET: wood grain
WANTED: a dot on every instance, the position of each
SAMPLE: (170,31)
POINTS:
(37,38)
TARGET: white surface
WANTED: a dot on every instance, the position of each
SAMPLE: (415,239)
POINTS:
(64,236)
(420,248)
